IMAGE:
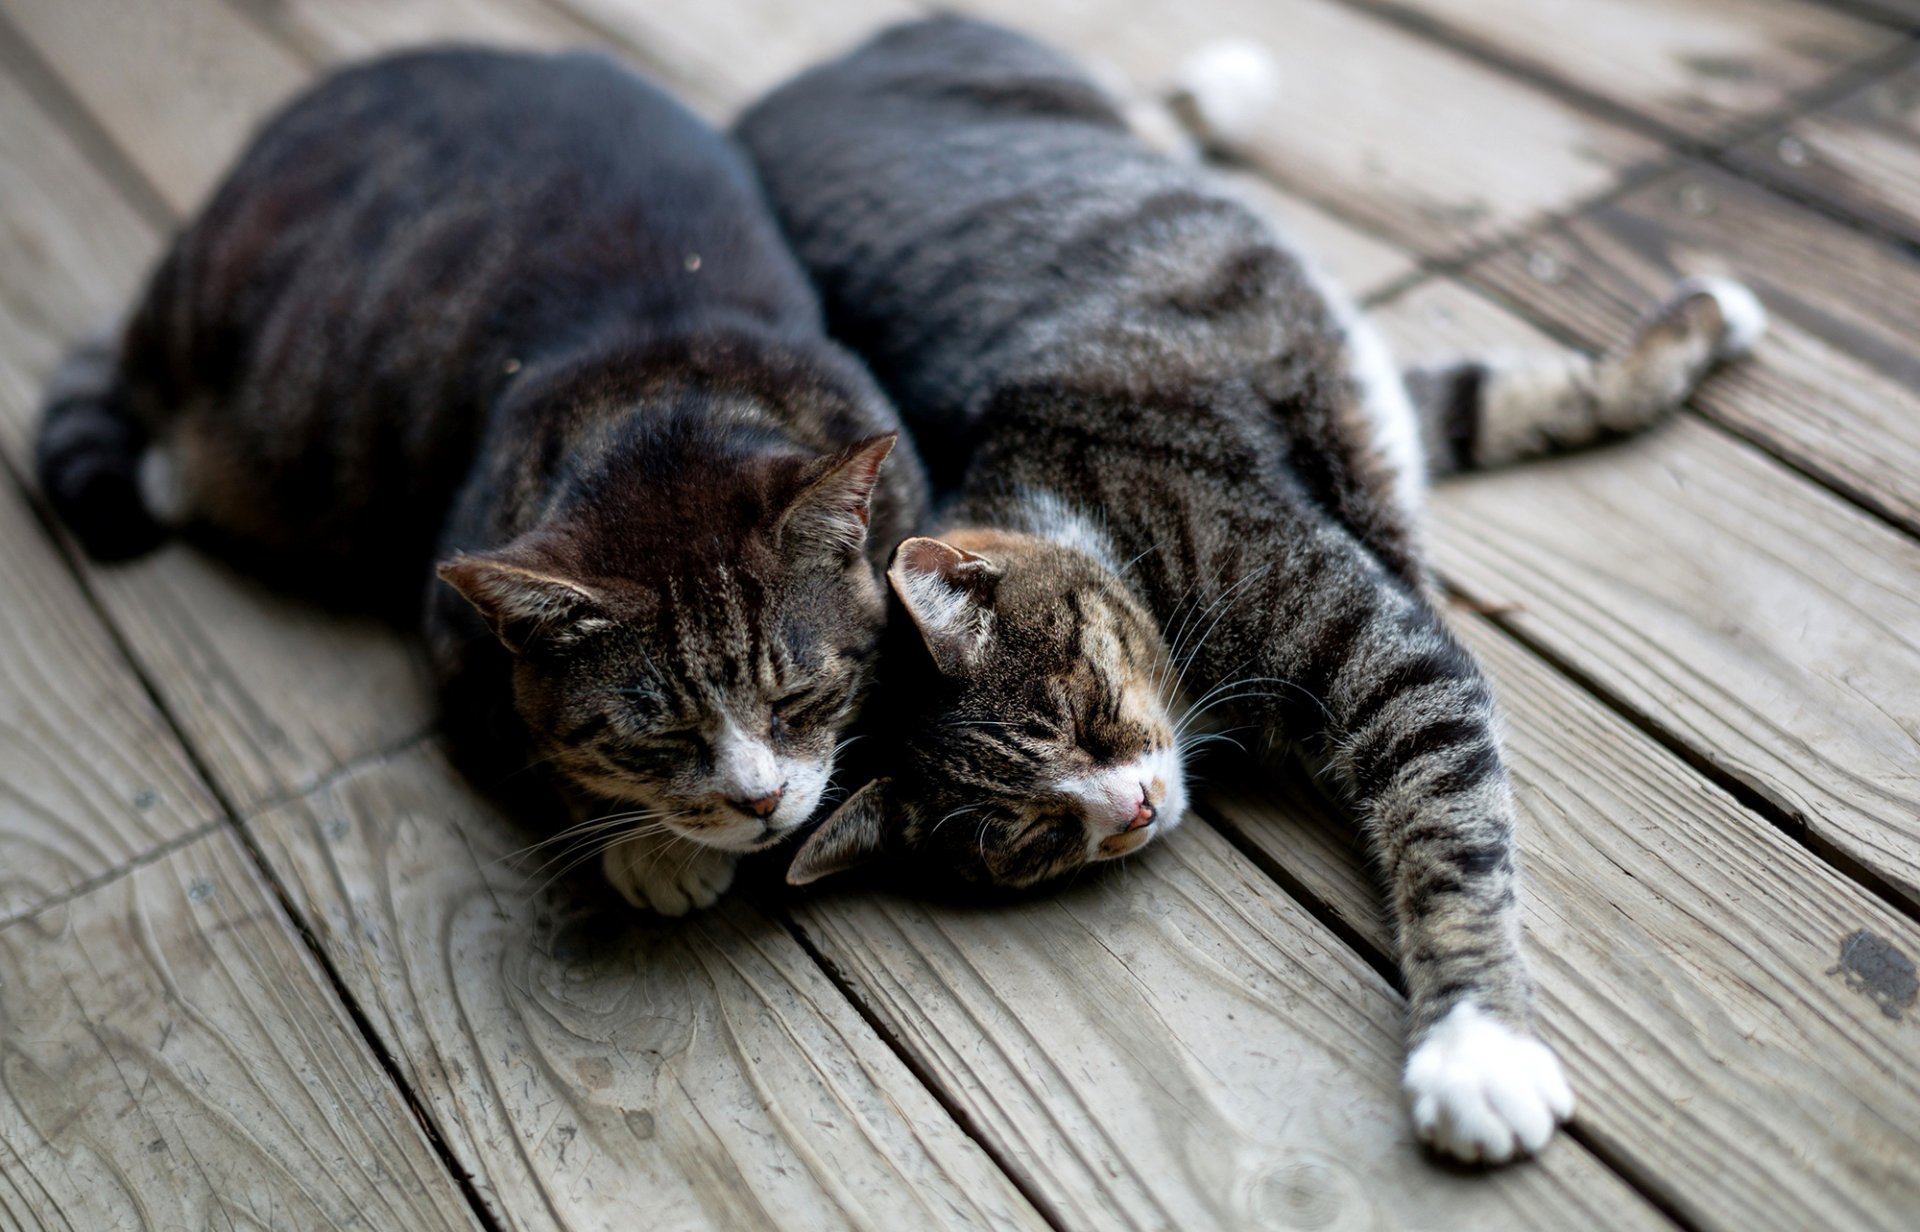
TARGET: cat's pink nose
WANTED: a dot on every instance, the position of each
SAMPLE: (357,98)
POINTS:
(1143,812)
(763,807)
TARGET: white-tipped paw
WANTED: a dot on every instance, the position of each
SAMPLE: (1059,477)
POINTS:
(666,876)
(1483,1092)
(1232,87)
(1741,312)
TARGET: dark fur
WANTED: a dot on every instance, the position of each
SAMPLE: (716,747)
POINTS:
(528,309)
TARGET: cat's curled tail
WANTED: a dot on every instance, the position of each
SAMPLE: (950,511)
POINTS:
(92,456)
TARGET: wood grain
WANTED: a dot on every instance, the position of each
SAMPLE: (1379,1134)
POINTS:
(1862,154)
(170,1057)
(1177,1045)
(726,55)
(273,694)
(592,1069)
(332,31)
(128,62)
(1703,68)
(1357,127)
(90,775)
(1762,623)
(1836,384)
(1690,964)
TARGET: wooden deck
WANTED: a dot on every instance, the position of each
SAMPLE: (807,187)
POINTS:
(266,963)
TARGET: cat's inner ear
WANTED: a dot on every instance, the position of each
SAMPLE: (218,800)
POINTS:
(829,517)
(525,601)
(949,593)
(852,835)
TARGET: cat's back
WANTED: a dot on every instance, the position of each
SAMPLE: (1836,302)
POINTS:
(975,209)
(322,346)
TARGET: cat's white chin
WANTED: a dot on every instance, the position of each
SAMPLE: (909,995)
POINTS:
(1481,1091)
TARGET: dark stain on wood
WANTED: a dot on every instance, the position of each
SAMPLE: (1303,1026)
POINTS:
(1872,965)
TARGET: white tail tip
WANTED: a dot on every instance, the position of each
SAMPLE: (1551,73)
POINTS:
(1740,309)
(1231,87)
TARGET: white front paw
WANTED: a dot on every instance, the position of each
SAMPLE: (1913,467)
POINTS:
(670,876)
(1481,1091)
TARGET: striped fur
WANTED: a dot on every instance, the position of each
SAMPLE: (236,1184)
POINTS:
(525,316)
(1060,309)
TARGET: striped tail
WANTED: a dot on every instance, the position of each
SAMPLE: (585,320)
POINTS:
(1487,412)
(90,452)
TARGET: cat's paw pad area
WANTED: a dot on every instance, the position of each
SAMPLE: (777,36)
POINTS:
(1483,1092)
(671,879)
(1743,318)
(1231,87)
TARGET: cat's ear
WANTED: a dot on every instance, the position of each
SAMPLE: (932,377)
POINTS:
(852,835)
(829,517)
(949,593)
(524,601)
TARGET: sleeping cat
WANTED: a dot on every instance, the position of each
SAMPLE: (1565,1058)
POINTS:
(1189,478)
(526,316)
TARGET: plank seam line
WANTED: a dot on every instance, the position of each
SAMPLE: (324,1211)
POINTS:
(107,876)
(345,770)
(1439,33)
(229,818)
(1638,1179)
(44,85)
(1743,794)
(887,1036)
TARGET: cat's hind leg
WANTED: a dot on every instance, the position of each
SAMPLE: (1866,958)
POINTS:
(1478,413)
(94,457)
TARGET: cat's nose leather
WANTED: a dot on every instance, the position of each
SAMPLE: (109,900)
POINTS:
(763,807)
(1143,812)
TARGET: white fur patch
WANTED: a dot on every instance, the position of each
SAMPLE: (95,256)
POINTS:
(1481,1091)
(1113,794)
(1046,516)
(1740,308)
(669,877)
(1233,86)
(1384,400)
(942,608)
(161,489)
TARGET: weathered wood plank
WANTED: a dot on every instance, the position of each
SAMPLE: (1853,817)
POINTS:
(595,1070)
(1707,980)
(273,694)
(1862,153)
(129,62)
(90,776)
(1760,621)
(333,31)
(1177,1045)
(1833,387)
(170,1057)
(1356,127)
(1703,68)
(724,55)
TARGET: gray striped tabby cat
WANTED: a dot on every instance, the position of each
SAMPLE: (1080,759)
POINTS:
(1187,473)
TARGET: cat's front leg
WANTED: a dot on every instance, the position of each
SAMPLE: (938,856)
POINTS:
(666,873)
(1410,736)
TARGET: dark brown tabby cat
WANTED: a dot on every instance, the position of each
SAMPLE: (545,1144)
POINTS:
(1189,478)
(527,316)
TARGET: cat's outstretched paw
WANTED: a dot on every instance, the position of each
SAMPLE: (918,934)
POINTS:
(1743,319)
(666,876)
(1483,1092)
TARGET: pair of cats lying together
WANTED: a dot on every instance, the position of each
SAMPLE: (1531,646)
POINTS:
(525,318)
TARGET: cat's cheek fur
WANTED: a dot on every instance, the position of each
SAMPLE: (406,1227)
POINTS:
(1483,1092)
